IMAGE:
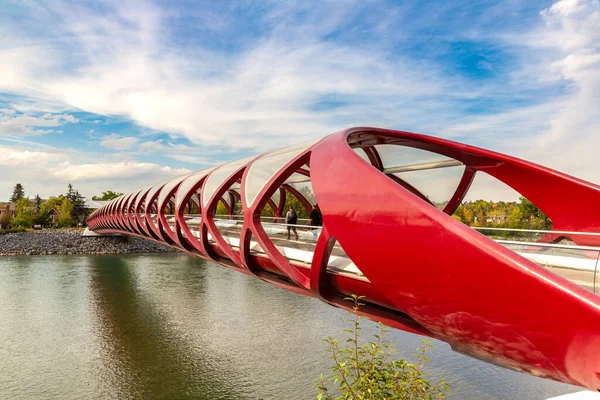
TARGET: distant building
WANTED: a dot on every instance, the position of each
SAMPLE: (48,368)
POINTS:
(54,214)
(8,208)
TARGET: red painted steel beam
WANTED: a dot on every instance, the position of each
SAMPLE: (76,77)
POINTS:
(424,272)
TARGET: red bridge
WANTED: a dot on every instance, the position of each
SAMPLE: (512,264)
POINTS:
(528,303)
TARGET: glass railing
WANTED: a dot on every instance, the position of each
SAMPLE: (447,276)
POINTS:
(578,264)
(171,222)
(230,228)
(297,242)
(193,223)
(562,256)
(597,279)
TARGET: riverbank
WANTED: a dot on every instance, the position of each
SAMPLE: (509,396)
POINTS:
(70,241)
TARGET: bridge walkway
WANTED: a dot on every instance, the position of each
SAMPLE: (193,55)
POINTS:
(577,264)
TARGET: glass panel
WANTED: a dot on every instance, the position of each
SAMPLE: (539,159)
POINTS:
(395,156)
(597,279)
(576,263)
(219,175)
(521,235)
(486,187)
(230,229)
(255,247)
(140,203)
(300,245)
(164,192)
(193,223)
(438,185)
(171,222)
(155,189)
(267,166)
(125,202)
(276,197)
(305,188)
(134,199)
(188,183)
(124,206)
(340,263)
(361,153)
(296,177)
(194,205)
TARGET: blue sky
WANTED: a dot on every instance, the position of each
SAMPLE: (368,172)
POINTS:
(117,95)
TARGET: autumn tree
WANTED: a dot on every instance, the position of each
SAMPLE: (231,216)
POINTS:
(536,217)
(6,220)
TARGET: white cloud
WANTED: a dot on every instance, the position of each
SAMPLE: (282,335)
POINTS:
(561,131)
(193,159)
(153,147)
(114,142)
(48,171)
(264,96)
(28,125)
(114,171)
(127,68)
(24,158)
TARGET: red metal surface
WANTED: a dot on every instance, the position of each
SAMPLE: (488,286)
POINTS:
(425,272)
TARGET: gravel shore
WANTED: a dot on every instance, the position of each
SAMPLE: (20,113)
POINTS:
(71,242)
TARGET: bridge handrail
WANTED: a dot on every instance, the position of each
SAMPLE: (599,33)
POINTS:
(482,228)
(550,245)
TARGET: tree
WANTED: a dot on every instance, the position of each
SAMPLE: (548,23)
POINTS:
(536,217)
(367,371)
(77,201)
(18,193)
(43,215)
(293,201)
(6,220)
(108,195)
(66,210)
(24,217)
(221,209)
(516,219)
(38,202)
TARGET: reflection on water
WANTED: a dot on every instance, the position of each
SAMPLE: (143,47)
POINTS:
(145,353)
(176,327)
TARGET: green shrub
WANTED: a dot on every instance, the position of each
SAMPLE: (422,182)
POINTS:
(13,230)
(368,371)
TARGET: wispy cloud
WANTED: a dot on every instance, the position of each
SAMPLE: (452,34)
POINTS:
(514,76)
(15,124)
(115,142)
(47,171)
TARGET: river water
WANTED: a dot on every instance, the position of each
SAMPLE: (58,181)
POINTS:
(177,327)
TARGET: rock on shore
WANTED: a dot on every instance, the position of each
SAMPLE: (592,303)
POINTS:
(71,242)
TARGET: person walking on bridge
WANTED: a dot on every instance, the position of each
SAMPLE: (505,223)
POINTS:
(291,219)
(316,219)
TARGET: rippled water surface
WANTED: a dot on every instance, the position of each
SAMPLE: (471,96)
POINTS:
(176,327)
